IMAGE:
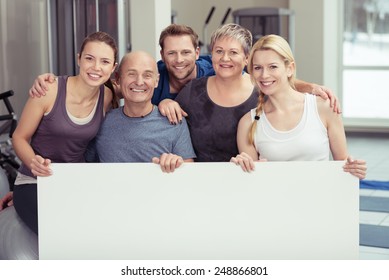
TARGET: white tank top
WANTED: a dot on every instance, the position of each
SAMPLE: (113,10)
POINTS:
(308,141)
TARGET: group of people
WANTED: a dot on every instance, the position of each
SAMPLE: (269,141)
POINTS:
(242,104)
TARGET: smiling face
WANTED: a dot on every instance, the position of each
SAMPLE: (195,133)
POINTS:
(228,57)
(138,77)
(96,62)
(270,72)
(180,55)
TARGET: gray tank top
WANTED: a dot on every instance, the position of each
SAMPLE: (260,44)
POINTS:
(60,139)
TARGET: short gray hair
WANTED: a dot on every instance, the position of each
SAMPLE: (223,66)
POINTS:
(234,31)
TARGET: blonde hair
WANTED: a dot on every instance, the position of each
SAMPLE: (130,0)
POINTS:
(280,46)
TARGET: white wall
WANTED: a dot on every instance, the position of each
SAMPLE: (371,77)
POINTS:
(194,13)
(309,39)
(316,41)
(147,19)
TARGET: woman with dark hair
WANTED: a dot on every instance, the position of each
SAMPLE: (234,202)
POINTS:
(58,126)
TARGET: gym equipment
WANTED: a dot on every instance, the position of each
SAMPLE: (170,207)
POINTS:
(17,241)
(263,21)
(9,162)
(204,44)
(4,185)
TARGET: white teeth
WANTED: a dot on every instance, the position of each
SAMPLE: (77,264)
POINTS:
(138,90)
(94,75)
(266,83)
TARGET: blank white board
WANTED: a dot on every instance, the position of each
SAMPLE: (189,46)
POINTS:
(202,211)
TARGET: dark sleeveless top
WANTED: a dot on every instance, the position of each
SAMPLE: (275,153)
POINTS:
(212,127)
(58,138)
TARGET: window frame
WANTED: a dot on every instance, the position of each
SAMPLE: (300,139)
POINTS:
(351,123)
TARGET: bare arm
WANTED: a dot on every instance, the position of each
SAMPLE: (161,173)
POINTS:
(31,116)
(338,143)
(172,110)
(41,83)
(247,152)
(319,90)
(40,86)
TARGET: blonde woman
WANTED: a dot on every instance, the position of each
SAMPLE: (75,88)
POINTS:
(288,125)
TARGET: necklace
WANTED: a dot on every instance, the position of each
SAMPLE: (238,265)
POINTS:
(141,116)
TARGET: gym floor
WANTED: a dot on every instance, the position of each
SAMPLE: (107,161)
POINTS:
(374,148)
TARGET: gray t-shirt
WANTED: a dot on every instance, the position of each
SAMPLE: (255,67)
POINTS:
(125,139)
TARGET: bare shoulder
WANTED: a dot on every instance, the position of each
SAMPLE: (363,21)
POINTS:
(323,105)
(51,94)
(245,121)
(43,104)
(326,112)
(53,86)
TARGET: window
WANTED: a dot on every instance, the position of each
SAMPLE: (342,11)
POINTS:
(366,62)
